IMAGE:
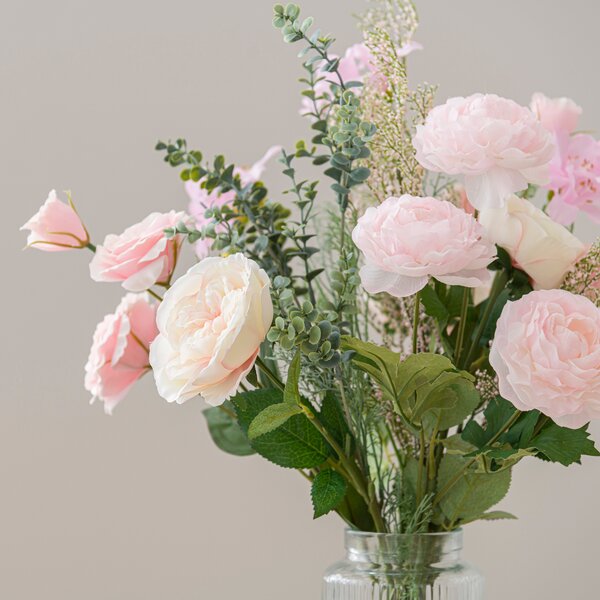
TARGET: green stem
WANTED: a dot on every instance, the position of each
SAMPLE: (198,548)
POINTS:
(91,246)
(462,326)
(416,316)
(354,475)
(155,295)
(270,375)
(499,284)
(441,493)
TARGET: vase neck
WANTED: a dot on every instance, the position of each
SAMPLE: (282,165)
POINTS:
(418,551)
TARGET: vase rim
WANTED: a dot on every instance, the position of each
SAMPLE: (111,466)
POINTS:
(374,534)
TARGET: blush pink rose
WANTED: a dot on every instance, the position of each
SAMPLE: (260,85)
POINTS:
(56,227)
(406,240)
(142,255)
(201,200)
(546,353)
(212,322)
(558,115)
(496,144)
(119,354)
(542,248)
(575,179)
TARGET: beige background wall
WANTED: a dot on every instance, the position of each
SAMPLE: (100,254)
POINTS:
(142,506)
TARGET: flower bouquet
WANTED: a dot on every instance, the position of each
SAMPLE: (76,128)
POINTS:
(402,332)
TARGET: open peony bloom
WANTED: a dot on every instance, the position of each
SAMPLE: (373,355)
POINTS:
(406,240)
(211,322)
(546,353)
(201,200)
(142,255)
(575,179)
(119,354)
(558,115)
(537,245)
(56,227)
(496,144)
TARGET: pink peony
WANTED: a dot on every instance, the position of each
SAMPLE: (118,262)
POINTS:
(546,353)
(575,179)
(119,354)
(558,115)
(201,200)
(56,227)
(406,240)
(498,146)
(140,257)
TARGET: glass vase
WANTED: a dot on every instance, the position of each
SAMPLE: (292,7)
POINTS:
(381,566)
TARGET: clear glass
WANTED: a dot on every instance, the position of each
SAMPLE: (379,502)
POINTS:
(382,566)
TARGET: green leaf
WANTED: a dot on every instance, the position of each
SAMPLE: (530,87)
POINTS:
(291,395)
(296,444)
(333,419)
(494,515)
(271,418)
(360,174)
(328,490)
(473,493)
(563,445)
(497,414)
(226,432)
(434,307)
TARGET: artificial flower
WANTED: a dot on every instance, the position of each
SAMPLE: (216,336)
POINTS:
(406,240)
(211,322)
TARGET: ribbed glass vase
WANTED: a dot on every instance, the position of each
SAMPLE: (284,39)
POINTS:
(381,566)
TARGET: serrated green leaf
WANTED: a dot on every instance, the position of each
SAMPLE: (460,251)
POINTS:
(494,515)
(563,445)
(296,444)
(333,419)
(327,492)
(271,418)
(473,493)
(225,431)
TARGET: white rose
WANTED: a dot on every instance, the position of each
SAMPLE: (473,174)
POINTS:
(211,324)
(542,248)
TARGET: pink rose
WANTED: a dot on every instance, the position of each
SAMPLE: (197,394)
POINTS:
(142,255)
(575,179)
(558,115)
(119,354)
(56,227)
(537,245)
(201,200)
(546,353)
(212,322)
(498,146)
(406,240)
